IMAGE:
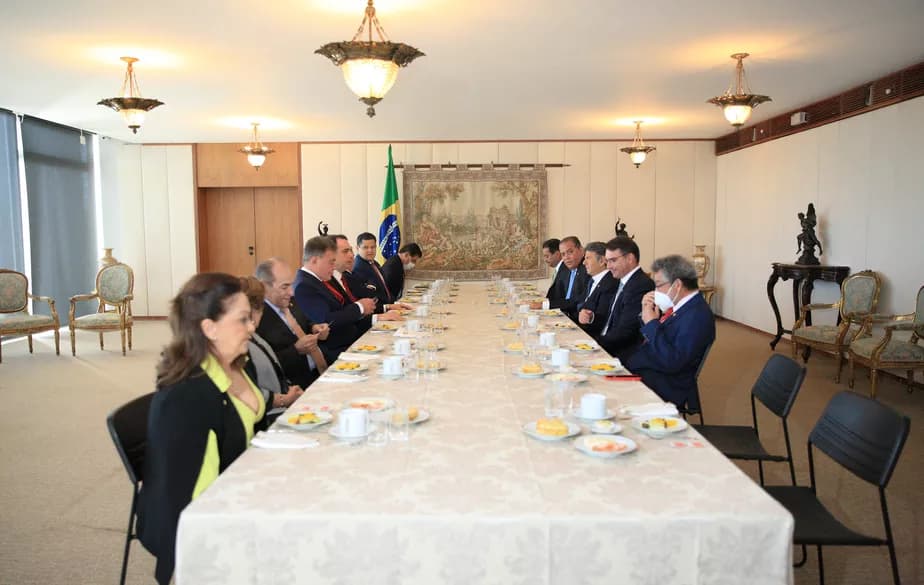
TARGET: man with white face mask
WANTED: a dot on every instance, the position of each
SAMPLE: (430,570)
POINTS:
(395,267)
(678,327)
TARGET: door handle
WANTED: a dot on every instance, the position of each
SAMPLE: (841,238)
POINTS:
(250,250)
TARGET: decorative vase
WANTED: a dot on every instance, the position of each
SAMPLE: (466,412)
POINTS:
(107,258)
(701,262)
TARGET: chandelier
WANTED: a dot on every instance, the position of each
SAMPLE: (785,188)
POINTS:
(131,105)
(256,151)
(638,152)
(737,104)
(370,67)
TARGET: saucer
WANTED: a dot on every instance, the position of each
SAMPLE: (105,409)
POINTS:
(335,433)
(609,414)
(605,446)
(530,429)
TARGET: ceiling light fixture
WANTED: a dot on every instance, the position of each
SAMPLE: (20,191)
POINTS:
(370,67)
(256,151)
(737,104)
(638,152)
(131,105)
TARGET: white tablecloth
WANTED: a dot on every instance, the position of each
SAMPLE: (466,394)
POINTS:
(470,499)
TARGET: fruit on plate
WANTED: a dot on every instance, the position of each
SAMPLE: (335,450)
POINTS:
(660,424)
(511,325)
(584,346)
(367,348)
(412,413)
(603,367)
(347,367)
(605,445)
(367,404)
(552,427)
(385,326)
(515,346)
(531,369)
(303,418)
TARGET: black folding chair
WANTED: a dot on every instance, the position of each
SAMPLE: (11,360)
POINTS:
(693,405)
(866,438)
(128,426)
(776,388)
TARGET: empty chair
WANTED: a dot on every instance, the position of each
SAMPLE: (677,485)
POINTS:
(15,318)
(114,286)
(865,438)
(128,426)
(776,388)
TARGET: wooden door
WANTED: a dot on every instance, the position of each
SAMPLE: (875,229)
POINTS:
(229,241)
(278,224)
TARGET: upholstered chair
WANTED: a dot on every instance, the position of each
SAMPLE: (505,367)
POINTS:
(114,286)
(886,352)
(859,297)
(14,312)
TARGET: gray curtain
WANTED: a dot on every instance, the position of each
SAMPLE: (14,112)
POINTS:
(11,248)
(62,217)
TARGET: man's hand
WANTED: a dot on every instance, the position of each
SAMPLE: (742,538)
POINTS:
(322,329)
(402,306)
(306,343)
(649,309)
(391,316)
(586,317)
(368,306)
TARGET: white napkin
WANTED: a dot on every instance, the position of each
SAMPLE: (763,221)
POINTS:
(651,409)
(283,440)
(342,378)
(403,332)
(357,357)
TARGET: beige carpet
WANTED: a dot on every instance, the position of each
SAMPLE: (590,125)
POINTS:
(65,495)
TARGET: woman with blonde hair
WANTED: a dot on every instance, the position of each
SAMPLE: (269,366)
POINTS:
(205,410)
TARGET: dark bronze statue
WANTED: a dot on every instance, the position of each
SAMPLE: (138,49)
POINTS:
(621,229)
(807,240)
(322,228)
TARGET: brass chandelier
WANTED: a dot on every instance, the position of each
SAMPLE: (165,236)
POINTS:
(370,67)
(638,152)
(256,151)
(738,101)
(131,105)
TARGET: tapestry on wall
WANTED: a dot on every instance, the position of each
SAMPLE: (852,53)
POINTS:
(472,224)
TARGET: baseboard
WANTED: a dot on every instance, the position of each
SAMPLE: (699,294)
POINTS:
(149,318)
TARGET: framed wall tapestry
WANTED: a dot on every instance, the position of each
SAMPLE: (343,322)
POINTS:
(473,223)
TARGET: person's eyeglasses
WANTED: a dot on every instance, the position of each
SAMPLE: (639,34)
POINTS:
(614,258)
(657,286)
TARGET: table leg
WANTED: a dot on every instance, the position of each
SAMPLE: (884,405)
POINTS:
(807,287)
(774,278)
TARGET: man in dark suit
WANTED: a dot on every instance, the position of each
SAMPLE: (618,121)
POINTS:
(323,302)
(293,337)
(570,284)
(353,289)
(613,318)
(395,267)
(600,280)
(366,268)
(551,255)
(678,328)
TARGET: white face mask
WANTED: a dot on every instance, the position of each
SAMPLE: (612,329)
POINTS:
(663,300)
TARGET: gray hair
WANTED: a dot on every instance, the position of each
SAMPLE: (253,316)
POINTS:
(598,248)
(318,246)
(674,267)
(264,271)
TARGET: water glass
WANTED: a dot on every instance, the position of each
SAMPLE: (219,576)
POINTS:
(557,399)
(398,425)
(378,434)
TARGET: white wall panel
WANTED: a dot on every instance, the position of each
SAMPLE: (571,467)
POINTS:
(478,152)
(635,202)
(675,172)
(354,193)
(157,228)
(446,152)
(182,214)
(518,152)
(321,173)
(575,213)
(704,200)
(554,152)
(131,233)
(419,153)
(602,206)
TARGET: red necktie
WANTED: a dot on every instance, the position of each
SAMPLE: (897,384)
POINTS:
(334,292)
(349,293)
(382,278)
(667,313)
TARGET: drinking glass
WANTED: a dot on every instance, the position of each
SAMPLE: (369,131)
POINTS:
(378,434)
(398,424)
(557,399)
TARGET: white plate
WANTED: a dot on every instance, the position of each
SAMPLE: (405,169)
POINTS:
(358,370)
(566,377)
(530,429)
(335,433)
(323,419)
(359,348)
(430,346)
(638,424)
(605,427)
(515,349)
(618,369)
(439,366)
(517,372)
(609,414)
(370,403)
(384,328)
(589,346)
(422,415)
(558,326)
(587,443)
(510,326)
(498,301)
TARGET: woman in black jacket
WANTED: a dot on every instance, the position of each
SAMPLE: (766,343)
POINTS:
(205,410)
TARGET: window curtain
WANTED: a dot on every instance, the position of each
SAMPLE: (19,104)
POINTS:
(62,219)
(11,248)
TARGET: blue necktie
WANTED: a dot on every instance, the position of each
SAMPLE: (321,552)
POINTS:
(570,284)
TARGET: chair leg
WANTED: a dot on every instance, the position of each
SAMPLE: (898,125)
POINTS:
(128,537)
(1,353)
(101,340)
(30,342)
(57,342)
(122,335)
(806,354)
(910,381)
(760,471)
(795,349)
(804,557)
(873,377)
(73,342)
(840,365)
(896,580)
(850,378)
(821,568)
(129,338)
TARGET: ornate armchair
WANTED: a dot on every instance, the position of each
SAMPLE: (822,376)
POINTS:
(859,296)
(114,286)
(886,353)
(14,315)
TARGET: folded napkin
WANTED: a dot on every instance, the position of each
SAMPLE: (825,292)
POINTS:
(403,332)
(342,378)
(357,357)
(651,409)
(282,440)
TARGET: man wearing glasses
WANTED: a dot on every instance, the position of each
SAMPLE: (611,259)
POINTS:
(678,329)
(613,318)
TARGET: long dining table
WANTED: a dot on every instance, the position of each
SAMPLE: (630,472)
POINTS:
(471,499)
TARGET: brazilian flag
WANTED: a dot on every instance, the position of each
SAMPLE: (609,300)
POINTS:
(389,230)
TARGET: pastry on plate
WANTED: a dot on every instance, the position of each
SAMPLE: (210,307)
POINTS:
(553,427)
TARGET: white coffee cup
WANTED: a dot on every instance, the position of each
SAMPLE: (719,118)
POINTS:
(524,308)
(593,406)
(545,305)
(412,325)
(423,311)
(353,422)
(561,357)
(393,366)
(532,321)
(547,338)
(402,346)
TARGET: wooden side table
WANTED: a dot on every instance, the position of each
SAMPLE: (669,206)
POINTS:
(803,276)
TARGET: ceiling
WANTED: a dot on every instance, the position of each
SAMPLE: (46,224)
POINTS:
(511,69)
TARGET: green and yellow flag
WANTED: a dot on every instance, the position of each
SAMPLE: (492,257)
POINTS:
(390,228)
